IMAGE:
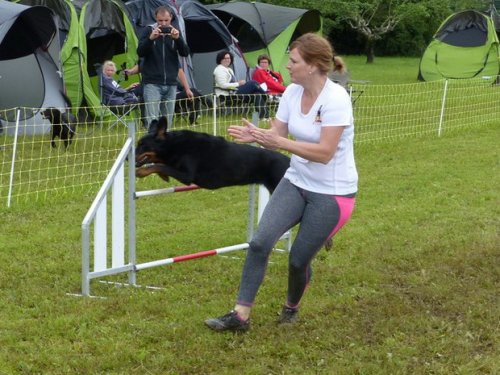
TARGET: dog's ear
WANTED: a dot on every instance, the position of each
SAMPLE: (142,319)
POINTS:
(161,127)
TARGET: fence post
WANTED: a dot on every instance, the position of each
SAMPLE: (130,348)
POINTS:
(214,111)
(11,179)
(443,104)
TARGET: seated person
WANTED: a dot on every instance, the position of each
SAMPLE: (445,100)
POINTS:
(339,74)
(226,83)
(263,74)
(112,92)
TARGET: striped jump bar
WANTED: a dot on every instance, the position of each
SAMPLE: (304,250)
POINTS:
(175,189)
(200,254)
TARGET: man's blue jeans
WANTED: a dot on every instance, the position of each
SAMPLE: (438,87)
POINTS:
(159,100)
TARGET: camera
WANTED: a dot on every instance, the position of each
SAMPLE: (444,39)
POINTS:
(123,68)
(166,30)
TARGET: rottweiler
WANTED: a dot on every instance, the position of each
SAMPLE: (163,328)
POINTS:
(63,125)
(208,161)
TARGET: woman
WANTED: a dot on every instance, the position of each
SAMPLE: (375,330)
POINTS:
(112,92)
(272,79)
(226,84)
(318,190)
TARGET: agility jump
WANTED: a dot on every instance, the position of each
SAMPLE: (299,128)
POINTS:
(96,220)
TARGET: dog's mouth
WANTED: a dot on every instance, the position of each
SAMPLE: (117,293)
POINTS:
(147,163)
(142,160)
(146,158)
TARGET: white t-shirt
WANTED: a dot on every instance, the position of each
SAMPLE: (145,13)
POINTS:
(332,108)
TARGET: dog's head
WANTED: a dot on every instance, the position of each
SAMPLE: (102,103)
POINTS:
(51,114)
(149,145)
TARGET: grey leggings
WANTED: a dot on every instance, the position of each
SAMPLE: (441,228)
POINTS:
(320,217)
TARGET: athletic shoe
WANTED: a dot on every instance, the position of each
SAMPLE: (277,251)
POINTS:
(288,315)
(228,322)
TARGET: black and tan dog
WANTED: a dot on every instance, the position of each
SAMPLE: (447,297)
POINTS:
(63,124)
(205,160)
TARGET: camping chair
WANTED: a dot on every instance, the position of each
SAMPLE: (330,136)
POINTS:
(353,87)
(120,114)
(355,92)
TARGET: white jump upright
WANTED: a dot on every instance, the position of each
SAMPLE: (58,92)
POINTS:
(96,221)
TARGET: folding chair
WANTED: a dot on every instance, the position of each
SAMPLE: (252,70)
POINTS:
(119,114)
(355,89)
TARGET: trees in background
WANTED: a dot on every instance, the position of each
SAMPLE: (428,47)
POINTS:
(373,19)
(382,27)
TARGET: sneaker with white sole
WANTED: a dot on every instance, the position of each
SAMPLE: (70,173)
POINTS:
(228,322)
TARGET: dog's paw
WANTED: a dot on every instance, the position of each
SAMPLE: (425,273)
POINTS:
(164,177)
(142,172)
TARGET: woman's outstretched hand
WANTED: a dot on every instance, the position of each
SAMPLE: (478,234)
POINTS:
(242,133)
(268,138)
(248,133)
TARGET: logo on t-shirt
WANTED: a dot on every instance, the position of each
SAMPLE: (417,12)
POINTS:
(317,119)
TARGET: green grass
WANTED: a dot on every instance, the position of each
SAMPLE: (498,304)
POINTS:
(411,286)
(383,70)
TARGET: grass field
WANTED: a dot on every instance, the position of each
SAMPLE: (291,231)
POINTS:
(384,70)
(411,286)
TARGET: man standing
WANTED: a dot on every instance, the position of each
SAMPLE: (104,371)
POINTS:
(159,49)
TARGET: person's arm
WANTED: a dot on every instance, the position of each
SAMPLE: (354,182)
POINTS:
(278,76)
(182,78)
(244,133)
(321,152)
(182,47)
(132,86)
(336,115)
(133,70)
(276,87)
(145,42)
(262,76)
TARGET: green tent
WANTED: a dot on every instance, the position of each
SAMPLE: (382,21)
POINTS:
(265,28)
(90,31)
(465,46)
(108,35)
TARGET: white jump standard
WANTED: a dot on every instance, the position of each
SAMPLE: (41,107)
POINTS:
(96,220)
